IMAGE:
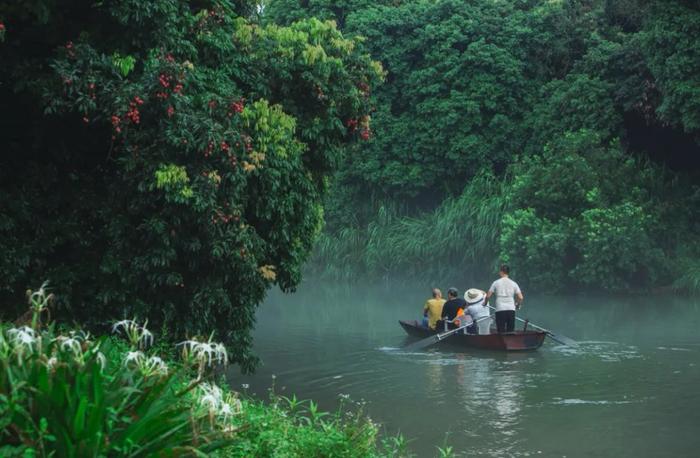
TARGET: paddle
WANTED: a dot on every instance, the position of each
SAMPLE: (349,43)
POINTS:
(556,337)
(428,341)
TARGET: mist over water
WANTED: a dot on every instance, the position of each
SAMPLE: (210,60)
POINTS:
(629,390)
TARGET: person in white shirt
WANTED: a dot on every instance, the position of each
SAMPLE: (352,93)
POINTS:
(508,299)
(476,308)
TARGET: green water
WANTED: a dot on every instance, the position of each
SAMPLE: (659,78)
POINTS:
(630,389)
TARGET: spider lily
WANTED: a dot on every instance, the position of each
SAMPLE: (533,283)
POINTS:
(24,341)
(147,366)
(25,336)
(153,366)
(217,406)
(133,357)
(138,336)
(212,397)
(39,302)
(204,353)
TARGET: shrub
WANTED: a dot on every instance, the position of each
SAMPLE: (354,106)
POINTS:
(67,394)
(182,157)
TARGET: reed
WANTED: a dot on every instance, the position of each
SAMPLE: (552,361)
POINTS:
(688,280)
(456,239)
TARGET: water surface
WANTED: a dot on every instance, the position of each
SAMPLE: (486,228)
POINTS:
(629,390)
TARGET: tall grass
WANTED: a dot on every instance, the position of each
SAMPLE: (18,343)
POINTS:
(457,239)
(688,280)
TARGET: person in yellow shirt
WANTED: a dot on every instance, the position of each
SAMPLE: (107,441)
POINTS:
(432,310)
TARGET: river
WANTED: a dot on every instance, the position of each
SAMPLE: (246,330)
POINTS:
(631,389)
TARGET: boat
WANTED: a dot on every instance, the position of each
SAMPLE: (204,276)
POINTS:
(525,340)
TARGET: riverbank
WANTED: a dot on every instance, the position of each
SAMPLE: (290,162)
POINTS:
(64,392)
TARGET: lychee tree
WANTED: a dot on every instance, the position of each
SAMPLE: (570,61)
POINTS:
(168,159)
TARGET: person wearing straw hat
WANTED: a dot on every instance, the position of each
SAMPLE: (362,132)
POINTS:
(476,308)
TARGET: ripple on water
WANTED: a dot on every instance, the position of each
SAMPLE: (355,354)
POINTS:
(575,401)
(673,348)
(602,350)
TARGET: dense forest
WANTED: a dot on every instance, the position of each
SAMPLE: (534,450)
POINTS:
(167,160)
(165,163)
(562,137)
(174,160)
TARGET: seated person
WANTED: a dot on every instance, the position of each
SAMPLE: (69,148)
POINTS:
(453,308)
(476,308)
(432,310)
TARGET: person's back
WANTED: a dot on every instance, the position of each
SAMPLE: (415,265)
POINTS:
(433,308)
(453,305)
(506,292)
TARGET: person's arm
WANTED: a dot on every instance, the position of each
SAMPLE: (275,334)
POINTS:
(425,309)
(489,293)
(519,298)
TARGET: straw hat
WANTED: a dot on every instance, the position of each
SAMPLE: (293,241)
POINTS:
(473,296)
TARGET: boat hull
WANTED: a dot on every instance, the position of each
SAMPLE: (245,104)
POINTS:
(514,341)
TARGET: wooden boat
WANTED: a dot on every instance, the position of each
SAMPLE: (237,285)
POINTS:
(513,341)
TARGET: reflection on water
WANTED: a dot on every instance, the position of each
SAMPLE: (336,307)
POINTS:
(629,389)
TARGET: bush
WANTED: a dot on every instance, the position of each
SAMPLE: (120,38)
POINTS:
(169,157)
(67,394)
(287,427)
(578,217)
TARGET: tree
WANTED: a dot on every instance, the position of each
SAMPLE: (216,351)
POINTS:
(168,159)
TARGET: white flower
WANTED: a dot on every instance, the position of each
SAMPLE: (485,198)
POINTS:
(204,352)
(226,411)
(146,337)
(24,340)
(24,336)
(147,366)
(101,359)
(154,366)
(221,353)
(211,397)
(139,336)
(134,357)
(71,344)
(124,324)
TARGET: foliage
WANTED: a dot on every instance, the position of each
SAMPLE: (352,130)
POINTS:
(461,232)
(288,427)
(670,43)
(67,394)
(585,111)
(169,159)
(587,218)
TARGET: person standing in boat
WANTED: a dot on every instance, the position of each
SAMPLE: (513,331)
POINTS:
(453,308)
(508,299)
(476,308)
(432,310)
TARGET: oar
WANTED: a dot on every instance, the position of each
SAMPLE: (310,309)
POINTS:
(428,341)
(556,337)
